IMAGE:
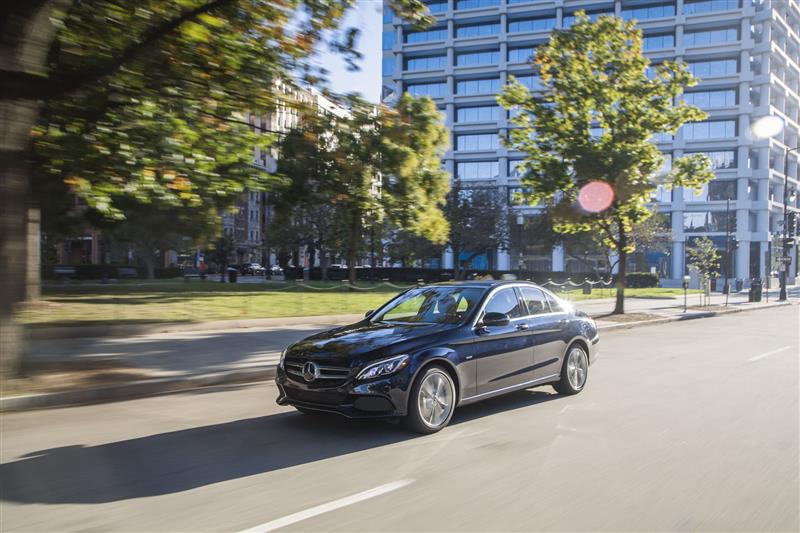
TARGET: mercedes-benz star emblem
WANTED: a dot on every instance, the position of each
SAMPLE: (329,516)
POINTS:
(310,371)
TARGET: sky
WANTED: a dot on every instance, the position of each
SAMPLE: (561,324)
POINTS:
(366,16)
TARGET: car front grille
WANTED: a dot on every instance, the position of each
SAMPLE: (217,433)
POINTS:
(330,375)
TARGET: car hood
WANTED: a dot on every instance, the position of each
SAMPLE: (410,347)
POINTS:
(366,340)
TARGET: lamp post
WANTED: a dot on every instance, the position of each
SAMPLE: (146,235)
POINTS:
(764,128)
(685,292)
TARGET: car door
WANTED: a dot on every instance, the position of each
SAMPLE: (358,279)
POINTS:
(504,354)
(547,322)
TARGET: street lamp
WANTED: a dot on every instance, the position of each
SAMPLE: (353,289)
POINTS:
(685,292)
(765,128)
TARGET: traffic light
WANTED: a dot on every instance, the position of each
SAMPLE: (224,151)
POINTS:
(734,244)
(791,220)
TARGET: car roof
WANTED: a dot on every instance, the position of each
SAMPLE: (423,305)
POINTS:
(483,284)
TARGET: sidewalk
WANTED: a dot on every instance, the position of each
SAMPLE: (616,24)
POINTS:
(90,369)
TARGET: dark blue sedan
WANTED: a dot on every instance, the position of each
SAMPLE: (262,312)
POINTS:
(433,348)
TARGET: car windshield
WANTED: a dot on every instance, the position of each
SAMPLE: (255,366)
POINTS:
(431,305)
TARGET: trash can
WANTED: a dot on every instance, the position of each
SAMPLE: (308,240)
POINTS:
(587,287)
(232,275)
(755,291)
(739,285)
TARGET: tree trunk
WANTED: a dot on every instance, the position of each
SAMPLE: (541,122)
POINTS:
(622,265)
(27,33)
(352,246)
(456,264)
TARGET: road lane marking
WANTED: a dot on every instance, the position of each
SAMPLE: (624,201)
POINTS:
(330,506)
(767,354)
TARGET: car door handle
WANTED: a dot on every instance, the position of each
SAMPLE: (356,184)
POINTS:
(522,327)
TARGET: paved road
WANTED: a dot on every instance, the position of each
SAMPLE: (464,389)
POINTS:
(685,426)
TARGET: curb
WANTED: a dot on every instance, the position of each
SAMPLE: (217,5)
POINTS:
(153,387)
(134,389)
(679,318)
(126,330)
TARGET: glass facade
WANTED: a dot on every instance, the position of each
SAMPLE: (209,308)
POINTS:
(706,37)
(438,34)
(473,4)
(658,42)
(708,6)
(717,190)
(490,113)
(648,12)
(437,7)
(477,142)
(531,24)
(434,90)
(714,68)
(712,129)
(711,99)
(721,159)
(478,30)
(521,55)
(482,86)
(426,63)
(489,57)
(477,170)
(708,221)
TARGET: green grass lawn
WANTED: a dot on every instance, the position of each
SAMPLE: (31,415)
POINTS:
(196,301)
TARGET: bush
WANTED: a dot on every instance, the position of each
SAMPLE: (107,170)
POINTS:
(641,280)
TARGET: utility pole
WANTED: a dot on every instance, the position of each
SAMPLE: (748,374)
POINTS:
(785,258)
(726,287)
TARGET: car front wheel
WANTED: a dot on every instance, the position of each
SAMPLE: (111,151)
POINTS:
(574,371)
(432,401)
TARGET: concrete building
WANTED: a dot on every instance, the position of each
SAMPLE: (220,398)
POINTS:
(746,54)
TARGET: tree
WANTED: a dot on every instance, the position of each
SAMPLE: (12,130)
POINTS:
(221,253)
(376,164)
(587,136)
(143,99)
(407,248)
(477,217)
(704,256)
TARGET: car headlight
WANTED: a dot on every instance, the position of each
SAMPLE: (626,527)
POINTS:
(283,356)
(384,368)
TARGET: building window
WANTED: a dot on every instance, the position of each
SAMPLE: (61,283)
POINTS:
(709,221)
(387,66)
(714,68)
(483,86)
(517,197)
(711,99)
(478,30)
(532,24)
(661,194)
(649,12)
(704,37)
(521,55)
(477,170)
(477,141)
(531,81)
(474,4)
(434,90)
(657,42)
(721,159)
(388,14)
(489,113)
(388,40)
(437,7)
(437,34)
(712,129)
(426,63)
(516,168)
(569,20)
(708,6)
(489,57)
(717,190)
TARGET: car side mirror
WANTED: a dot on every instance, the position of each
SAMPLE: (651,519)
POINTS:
(495,319)
(366,315)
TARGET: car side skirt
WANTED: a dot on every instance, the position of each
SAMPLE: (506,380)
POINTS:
(552,378)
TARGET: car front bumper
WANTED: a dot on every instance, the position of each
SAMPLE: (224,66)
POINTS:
(380,398)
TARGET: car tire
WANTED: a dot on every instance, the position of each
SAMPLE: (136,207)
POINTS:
(574,371)
(431,402)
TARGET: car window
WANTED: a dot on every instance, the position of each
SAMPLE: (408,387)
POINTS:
(535,300)
(555,304)
(443,305)
(505,301)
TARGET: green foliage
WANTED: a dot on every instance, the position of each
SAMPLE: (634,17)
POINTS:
(704,256)
(595,76)
(478,218)
(377,165)
(642,280)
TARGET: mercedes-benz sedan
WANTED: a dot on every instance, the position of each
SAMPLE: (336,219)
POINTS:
(433,348)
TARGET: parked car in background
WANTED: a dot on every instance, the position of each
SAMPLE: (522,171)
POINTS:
(253,269)
(435,347)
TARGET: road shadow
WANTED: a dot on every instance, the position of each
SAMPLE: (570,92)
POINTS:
(182,460)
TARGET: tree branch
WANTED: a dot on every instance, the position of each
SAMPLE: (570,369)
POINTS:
(16,85)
